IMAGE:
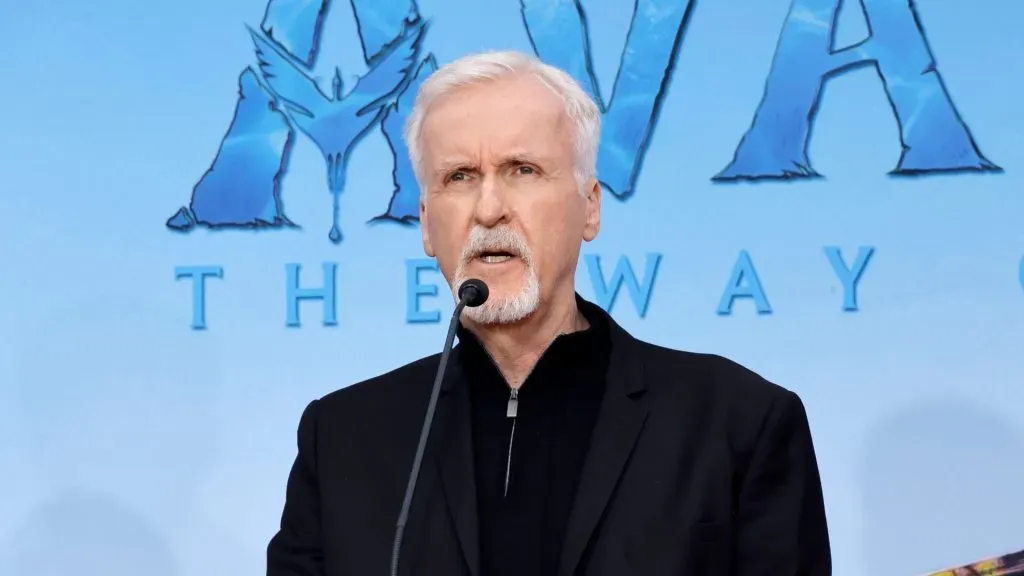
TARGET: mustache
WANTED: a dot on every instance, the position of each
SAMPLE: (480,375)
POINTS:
(502,239)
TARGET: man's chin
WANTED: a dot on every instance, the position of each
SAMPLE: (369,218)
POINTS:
(504,306)
(496,315)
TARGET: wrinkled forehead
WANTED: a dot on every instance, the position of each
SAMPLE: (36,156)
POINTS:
(517,115)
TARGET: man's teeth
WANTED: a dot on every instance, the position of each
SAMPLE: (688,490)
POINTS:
(495,258)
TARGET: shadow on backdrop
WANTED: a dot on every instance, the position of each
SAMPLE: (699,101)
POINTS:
(941,488)
(83,534)
(122,432)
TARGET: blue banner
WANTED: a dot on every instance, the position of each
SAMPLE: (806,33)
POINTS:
(212,220)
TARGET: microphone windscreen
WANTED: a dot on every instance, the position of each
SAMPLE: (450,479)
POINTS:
(473,292)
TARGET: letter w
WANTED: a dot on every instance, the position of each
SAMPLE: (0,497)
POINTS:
(933,136)
(558,32)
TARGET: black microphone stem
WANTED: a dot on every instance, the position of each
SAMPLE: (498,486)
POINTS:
(403,516)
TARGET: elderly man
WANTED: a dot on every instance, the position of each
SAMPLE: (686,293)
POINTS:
(562,444)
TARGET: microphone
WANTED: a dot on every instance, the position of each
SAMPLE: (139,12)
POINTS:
(472,293)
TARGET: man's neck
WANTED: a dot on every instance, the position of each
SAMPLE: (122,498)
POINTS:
(516,348)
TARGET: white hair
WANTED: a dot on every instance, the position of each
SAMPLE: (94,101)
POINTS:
(468,70)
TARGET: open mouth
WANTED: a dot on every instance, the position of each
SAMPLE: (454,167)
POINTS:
(496,256)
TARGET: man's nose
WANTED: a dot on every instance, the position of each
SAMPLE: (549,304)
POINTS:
(491,205)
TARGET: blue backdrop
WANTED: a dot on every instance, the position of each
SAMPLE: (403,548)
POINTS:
(202,232)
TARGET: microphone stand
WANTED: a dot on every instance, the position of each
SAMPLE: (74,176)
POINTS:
(472,293)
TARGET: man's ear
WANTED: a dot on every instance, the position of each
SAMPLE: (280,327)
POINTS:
(593,198)
(427,246)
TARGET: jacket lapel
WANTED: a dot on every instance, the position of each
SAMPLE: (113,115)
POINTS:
(455,459)
(618,426)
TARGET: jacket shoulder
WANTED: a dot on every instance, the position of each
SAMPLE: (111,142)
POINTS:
(725,392)
(713,372)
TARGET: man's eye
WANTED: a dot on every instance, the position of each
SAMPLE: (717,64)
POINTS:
(457,177)
(526,170)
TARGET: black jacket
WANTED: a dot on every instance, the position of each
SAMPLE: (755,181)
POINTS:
(697,466)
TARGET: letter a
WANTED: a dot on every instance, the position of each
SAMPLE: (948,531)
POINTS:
(558,32)
(932,134)
(241,189)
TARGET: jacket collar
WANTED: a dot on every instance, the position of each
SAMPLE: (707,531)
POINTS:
(619,423)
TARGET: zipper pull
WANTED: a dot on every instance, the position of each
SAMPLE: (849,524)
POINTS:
(513,404)
(511,412)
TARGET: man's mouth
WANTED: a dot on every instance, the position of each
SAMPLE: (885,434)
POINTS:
(496,256)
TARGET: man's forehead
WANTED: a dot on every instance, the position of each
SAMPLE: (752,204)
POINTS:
(470,124)
(492,149)
(452,158)
(502,98)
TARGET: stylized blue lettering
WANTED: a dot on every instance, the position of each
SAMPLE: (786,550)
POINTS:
(558,33)
(296,25)
(414,291)
(639,292)
(336,122)
(1021,272)
(327,292)
(242,188)
(380,22)
(404,206)
(198,274)
(849,276)
(933,136)
(744,283)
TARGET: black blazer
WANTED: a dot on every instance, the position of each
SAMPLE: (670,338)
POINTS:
(697,466)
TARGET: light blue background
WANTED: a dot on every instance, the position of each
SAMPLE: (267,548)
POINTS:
(130,444)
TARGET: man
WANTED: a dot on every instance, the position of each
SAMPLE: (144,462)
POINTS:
(562,445)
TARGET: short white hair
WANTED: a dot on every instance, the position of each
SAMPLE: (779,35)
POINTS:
(581,109)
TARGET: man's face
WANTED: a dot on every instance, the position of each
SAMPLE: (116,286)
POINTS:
(501,202)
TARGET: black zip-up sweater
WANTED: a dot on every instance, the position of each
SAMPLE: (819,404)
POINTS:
(529,446)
